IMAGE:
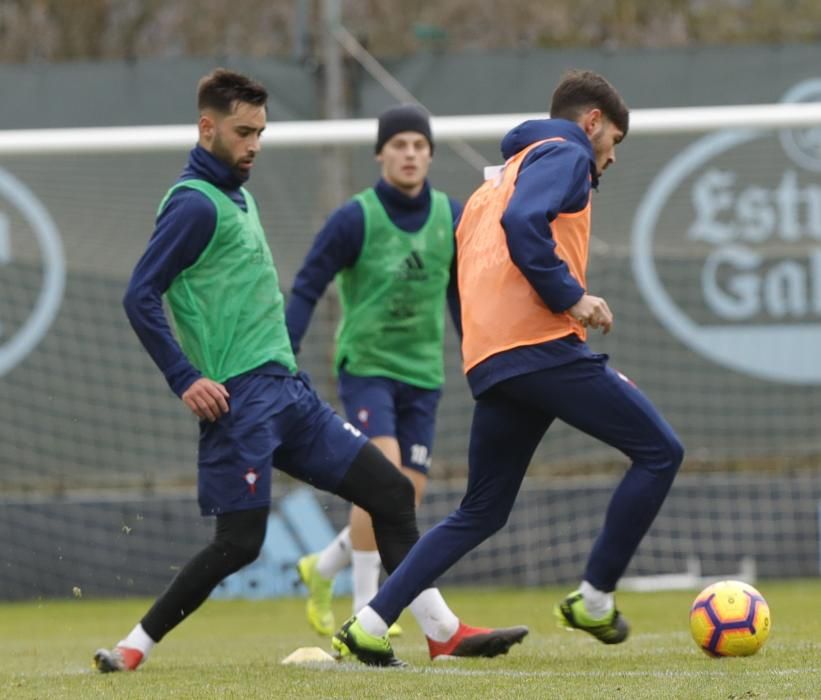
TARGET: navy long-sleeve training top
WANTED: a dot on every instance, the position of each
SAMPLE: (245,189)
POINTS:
(339,243)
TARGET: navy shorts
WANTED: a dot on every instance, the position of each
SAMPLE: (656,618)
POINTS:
(379,406)
(273,421)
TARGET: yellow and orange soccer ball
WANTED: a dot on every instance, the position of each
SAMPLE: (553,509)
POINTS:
(730,618)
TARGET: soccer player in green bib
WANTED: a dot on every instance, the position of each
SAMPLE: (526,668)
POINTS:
(390,249)
(231,364)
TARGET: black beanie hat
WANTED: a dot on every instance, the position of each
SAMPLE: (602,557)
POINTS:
(408,117)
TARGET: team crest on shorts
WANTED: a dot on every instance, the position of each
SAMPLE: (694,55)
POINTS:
(251,478)
(362,415)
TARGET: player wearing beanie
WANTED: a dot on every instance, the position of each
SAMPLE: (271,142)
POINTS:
(390,249)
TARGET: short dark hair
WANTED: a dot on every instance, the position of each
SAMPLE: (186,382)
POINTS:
(581,90)
(221,89)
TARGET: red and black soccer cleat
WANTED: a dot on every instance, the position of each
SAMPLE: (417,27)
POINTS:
(477,641)
(117,659)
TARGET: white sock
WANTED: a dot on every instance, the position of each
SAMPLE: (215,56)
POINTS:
(434,616)
(138,639)
(596,602)
(367,565)
(371,622)
(336,556)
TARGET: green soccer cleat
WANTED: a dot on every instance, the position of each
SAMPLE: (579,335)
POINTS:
(571,614)
(352,640)
(320,592)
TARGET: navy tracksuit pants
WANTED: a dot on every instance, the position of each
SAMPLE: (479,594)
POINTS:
(509,421)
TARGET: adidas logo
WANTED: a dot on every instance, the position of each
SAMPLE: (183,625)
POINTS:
(414,261)
(413,267)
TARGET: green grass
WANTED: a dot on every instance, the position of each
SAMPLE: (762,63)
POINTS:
(232,649)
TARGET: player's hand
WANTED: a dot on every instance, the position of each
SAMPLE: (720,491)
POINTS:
(207,399)
(592,312)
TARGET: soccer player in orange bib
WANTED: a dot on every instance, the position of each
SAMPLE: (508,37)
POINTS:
(522,250)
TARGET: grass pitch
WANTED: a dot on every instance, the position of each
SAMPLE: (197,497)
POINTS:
(233,649)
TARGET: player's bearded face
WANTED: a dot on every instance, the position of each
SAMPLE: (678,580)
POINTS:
(235,138)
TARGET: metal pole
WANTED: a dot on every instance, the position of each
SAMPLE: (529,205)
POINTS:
(299,51)
(333,170)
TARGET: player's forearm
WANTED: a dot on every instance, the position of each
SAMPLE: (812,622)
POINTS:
(147,318)
(532,250)
(298,314)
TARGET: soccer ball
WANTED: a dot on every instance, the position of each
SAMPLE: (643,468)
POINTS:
(730,618)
